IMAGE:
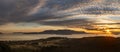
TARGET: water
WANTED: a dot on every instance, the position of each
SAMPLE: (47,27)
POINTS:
(18,37)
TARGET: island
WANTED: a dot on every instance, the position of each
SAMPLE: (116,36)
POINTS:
(1,33)
(59,32)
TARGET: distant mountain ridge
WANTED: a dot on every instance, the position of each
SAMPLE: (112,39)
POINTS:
(1,33)
(59,32)
(62,32)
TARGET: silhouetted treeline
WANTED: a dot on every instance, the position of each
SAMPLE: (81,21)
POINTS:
(4,47)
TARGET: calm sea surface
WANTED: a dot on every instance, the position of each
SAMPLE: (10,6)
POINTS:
(18,37)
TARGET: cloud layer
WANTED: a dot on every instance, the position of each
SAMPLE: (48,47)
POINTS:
(60,12)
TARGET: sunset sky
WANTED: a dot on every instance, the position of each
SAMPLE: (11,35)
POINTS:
(78,15)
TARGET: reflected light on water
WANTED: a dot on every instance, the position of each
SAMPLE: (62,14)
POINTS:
(17,37)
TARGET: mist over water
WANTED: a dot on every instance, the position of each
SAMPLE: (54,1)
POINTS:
(20,37)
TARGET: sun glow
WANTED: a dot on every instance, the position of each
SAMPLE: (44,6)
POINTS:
(108,32)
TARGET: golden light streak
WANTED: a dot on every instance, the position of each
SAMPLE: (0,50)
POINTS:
(108,32)
(94,32)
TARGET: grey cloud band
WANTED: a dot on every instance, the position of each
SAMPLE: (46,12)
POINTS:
(16,11)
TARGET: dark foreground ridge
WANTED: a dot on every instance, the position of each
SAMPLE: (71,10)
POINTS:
(61,44)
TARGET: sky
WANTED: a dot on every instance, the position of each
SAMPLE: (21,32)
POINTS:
(40,15)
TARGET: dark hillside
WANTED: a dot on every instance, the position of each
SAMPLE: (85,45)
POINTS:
(59,44)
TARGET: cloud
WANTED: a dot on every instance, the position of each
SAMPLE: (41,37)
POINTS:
(57,12)
(15,9)
(66,4)
(101,10)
